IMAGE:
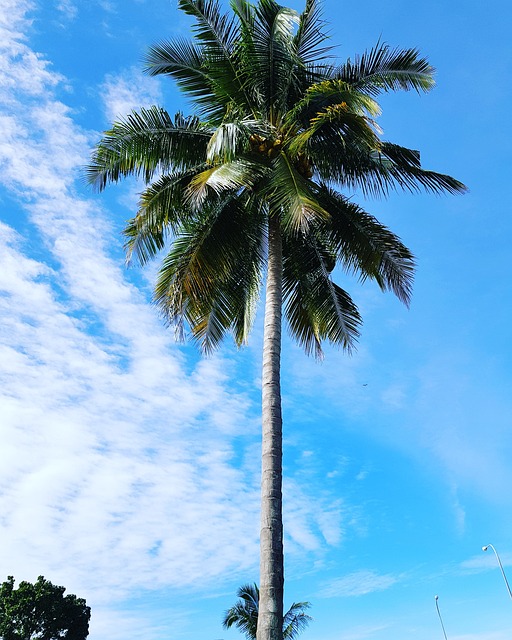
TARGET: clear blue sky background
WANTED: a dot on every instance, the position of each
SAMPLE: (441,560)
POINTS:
(129,466)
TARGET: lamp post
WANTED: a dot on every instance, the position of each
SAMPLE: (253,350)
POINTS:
(501,567)
(440,619)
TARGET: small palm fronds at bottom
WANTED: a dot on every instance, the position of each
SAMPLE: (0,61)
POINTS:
(295,620)
(244,614)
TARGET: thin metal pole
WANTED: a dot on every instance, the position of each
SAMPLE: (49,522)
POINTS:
(440,619)
(501,567)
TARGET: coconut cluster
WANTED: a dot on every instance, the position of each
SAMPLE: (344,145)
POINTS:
(271,148)
(265,146)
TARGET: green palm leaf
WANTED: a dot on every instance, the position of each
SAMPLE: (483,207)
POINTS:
(273,57)
(316,308)
(310,39)
(295,620)
(244,614)
(219,36)
(162,211)
(385,69)
(147,142)
(211,276)
(184,61)
(365,247)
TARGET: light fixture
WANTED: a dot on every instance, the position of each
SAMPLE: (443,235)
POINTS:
(501,567)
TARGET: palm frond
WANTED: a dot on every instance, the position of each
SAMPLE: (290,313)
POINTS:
(182,60)
(366,247)
(291,196)
(147,142)
(219,36)
(310,38)
(229,140)
(316,308)
(244,10)
(330,93)
(295,620)
(385,69)
(375,170)
(405,169)
(162,211)
(339,124)
(229,176)
(272,56)
(213,28)
(208,278)
(244,614)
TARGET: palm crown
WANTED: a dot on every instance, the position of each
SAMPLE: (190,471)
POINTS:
(281,126)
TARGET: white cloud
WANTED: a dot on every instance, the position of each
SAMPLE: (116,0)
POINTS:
(127,91)
(109,478)
(493,635)
(68,9)
(358,583)
(361,632)
(485,561)
(114,465)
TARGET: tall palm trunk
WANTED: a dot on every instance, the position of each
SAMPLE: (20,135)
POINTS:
(270,615)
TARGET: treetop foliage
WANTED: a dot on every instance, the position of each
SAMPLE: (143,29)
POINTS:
(41,611)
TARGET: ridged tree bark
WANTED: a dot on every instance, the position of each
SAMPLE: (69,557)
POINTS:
(270,615)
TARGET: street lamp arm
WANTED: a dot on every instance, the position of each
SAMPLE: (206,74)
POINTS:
(440,619)
(501,567)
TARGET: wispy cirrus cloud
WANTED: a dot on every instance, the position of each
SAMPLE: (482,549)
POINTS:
(485,561)
(68,9)
(105,445)
(359,583)
(124,92)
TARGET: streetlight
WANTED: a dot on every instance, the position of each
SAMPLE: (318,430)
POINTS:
(501,567)
(440,619)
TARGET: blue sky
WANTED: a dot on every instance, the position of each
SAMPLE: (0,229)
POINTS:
(129,466)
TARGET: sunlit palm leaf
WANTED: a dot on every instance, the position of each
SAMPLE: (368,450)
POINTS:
(228,140)
(229,176)
(339,123)
(146,142)
(330,93)
(291,194)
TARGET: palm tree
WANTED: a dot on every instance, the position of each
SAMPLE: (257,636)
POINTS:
(249,189)
(244,614)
